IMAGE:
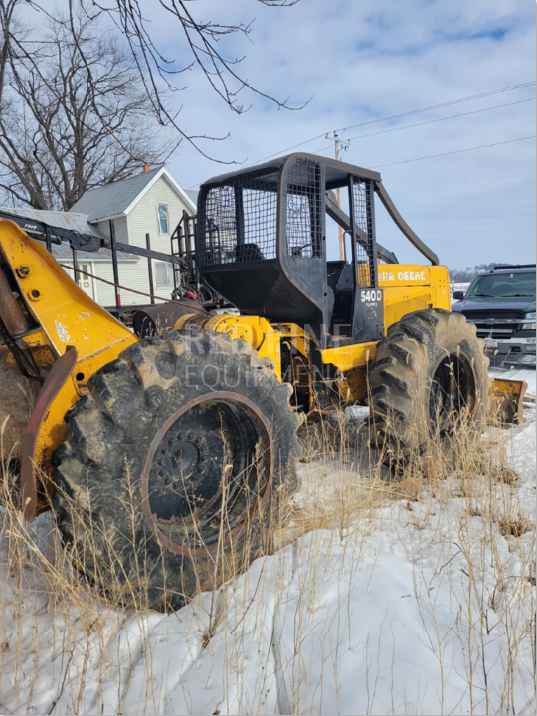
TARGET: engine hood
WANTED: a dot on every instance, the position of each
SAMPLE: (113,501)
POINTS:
(522,304)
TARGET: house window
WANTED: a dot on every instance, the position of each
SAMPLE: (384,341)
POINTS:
(163,274)
(163,220)
(84,278)
(86,271)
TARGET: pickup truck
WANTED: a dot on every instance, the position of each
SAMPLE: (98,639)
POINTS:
(501,305)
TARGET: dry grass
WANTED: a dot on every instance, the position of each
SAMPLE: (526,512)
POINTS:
(514,525)
(345,487)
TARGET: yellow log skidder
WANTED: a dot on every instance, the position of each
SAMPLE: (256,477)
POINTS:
(194,431)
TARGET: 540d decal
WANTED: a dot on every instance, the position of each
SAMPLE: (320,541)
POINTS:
(370,295)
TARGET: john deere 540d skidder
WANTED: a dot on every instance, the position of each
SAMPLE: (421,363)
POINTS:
(159,451)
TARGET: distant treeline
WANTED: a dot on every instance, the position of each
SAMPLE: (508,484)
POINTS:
(468,273)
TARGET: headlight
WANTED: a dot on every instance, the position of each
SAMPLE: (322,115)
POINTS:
(530,324)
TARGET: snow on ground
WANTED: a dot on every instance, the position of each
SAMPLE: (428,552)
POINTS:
(416,606)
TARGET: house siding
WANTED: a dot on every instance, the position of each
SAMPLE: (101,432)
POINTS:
(120,228)
(132,229)
(129,275)
(103,293)
(86,283)
(142,219)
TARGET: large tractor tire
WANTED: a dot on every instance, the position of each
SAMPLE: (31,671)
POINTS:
(429,376)
(174,466)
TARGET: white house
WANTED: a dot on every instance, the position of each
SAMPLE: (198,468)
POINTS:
(151,202)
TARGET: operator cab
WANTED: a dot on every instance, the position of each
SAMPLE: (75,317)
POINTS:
(261,243)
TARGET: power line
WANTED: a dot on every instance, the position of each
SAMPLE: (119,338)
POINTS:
(435,119)
(458,151)
(447,103)
(387,117)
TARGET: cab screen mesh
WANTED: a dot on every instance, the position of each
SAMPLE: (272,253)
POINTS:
(239,224)
(363,208)
(303,225)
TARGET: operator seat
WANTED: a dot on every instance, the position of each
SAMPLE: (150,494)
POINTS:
(249,253)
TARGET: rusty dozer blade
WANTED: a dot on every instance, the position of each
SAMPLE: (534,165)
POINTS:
(507,396)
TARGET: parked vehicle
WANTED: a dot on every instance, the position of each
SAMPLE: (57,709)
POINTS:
(501,305)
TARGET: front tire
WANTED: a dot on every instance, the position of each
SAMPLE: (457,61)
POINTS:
(174,464)
(429,374)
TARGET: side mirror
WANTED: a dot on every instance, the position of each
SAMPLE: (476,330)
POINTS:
(458,295)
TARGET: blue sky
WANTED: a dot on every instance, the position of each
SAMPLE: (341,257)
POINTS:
(358,60)
(362,60)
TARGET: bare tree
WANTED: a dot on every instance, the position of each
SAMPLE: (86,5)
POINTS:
(202,37)
(205,41)
(72,118)
(7,17)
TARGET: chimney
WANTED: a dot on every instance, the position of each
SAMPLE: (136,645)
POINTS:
(147,167)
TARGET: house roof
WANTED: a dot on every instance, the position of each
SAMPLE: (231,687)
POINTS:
(118,198)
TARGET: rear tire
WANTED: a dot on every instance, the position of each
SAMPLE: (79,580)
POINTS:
(171,431)
(430,373)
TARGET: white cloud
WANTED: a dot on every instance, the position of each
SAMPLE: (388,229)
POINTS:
(362,59)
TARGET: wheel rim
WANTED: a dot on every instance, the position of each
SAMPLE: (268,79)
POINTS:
(205,470)
(453,393)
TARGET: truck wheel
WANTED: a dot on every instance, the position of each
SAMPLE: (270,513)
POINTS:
(174,465)
(430,373)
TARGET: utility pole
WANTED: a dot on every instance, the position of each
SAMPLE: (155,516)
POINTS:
(339,146)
